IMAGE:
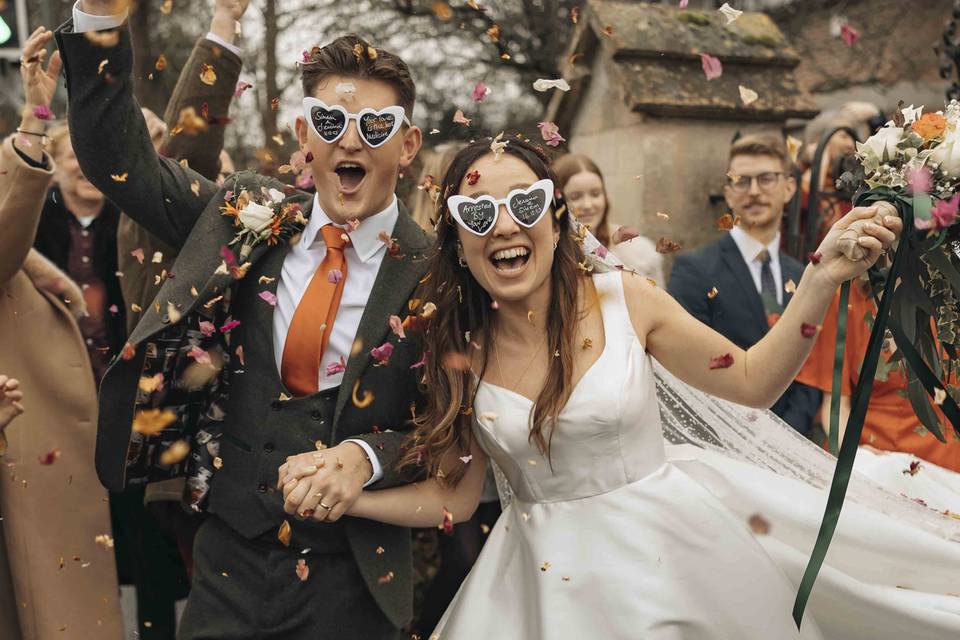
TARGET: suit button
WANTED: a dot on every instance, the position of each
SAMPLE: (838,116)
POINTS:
(316,415)
(262,488)
(275,405)
(165,319)
(268,447)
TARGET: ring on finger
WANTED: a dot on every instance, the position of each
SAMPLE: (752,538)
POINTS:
(323,506)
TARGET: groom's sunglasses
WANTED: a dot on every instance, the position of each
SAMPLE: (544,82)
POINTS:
(375,127)
(525,206)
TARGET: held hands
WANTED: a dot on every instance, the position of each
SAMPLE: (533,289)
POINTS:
(323,485)
(857,240)
(39,85)
(10,401)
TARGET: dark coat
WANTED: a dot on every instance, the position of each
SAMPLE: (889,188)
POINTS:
(737,311)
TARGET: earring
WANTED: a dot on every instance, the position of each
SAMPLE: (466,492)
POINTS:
(555,243)
(460,260)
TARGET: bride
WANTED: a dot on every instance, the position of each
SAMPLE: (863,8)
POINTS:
(547,369)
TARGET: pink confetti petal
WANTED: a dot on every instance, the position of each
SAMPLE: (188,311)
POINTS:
(229,326)
(138,254)
(199,355)
(228,256)
(113,309)
(269,297)
(480,92)
(336,367)
(241,88)
(42,112)
(396,325)
(207,328)
(334,276)
(721,362)
(712,68)
(382,353)
(422,362)
(550,133)
(849,34)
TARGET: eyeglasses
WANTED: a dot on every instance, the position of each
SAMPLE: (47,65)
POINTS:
(525,206)
(765,181)
(375,127)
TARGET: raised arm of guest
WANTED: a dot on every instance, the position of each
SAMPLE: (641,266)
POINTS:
(25,170)
(108,131)
(201,147)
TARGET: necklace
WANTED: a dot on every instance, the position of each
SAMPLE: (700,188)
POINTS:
(496,354)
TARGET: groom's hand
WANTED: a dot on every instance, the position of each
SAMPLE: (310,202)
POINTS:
(323,485)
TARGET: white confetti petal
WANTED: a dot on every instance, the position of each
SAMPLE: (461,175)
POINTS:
(729,13)
(749,96)
(545,85)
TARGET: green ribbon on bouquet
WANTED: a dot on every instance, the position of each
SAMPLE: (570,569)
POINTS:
(861,395)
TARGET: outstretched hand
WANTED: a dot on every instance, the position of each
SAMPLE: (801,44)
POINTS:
(39,84)
(234,8)
(10,400)
(871,230)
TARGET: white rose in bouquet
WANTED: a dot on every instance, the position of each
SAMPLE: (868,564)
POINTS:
(883,144)
(256,217)
(947,153)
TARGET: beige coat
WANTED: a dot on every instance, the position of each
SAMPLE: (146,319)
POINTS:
(65,583)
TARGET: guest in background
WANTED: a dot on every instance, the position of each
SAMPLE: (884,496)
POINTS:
(739,284)
(891,424)
(78,233)
(583,187)
(51,501)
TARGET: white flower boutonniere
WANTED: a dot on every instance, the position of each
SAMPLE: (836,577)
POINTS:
(264,218)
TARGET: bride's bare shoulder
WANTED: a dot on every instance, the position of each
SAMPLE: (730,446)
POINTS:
(645,302)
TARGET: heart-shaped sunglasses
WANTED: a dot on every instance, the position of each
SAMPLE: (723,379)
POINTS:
(526,206)
(375,127)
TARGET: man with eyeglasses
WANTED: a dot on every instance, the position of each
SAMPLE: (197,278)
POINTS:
(740,284)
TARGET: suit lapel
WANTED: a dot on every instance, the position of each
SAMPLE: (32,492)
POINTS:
(741,273)
(396,280)
(196,277)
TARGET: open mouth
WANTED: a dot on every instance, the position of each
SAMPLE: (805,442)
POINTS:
(351,174)
(510,260)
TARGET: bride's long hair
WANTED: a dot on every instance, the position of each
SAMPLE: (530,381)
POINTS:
(464,311)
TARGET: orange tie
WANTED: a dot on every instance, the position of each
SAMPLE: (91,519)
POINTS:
(312,322)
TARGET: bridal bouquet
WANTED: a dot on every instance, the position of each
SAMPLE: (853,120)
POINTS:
(914,161)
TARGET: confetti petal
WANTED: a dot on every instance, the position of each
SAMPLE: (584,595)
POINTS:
(712,68)
(545,85)
(747,96)
(729,13)
(721,362)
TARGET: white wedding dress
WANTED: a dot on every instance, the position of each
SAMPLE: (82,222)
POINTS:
(626,538)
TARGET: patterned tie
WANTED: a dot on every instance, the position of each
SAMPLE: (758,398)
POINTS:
(312,322)
(768,286)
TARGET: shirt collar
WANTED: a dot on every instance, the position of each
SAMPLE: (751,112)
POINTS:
(749,246)
(365,239)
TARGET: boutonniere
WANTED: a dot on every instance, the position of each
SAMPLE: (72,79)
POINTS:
(261,217)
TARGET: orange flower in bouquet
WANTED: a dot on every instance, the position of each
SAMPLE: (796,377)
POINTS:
(930,126)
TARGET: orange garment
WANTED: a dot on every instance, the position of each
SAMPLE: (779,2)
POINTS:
(890,423)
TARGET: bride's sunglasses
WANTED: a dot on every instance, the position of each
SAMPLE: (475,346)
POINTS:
(526,206)
(375,127)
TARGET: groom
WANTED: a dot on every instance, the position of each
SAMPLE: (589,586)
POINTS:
(297,324)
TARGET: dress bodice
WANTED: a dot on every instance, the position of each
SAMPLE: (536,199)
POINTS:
(606,436)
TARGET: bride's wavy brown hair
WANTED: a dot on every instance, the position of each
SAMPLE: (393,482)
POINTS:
(464,309)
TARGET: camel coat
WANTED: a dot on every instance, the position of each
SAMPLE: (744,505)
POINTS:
(64,582)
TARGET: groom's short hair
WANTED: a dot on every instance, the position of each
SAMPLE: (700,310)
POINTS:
(351,55)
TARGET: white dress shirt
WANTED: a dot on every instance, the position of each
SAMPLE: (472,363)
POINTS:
(749,248)
(87,22)
(363,255)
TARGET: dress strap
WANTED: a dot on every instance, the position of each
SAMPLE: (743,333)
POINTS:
(613,306)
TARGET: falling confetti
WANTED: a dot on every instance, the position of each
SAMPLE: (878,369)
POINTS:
(303,571)
(758,524)
(208,75)
(721,362)
(729,13)
(747,96)
(712,68)
(480,92)
(284,533)
(545,85)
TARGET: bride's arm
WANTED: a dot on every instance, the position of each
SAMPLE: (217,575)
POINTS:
(758,376)
(422,504)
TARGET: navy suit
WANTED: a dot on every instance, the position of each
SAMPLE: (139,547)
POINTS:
(737,311)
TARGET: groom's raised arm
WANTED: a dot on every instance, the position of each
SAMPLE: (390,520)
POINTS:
(109,134)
